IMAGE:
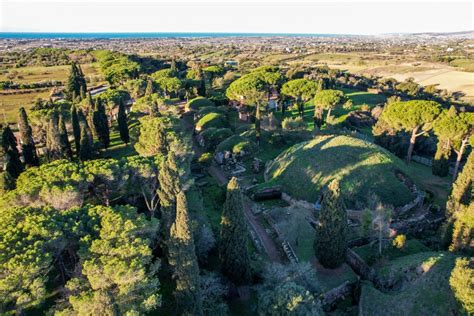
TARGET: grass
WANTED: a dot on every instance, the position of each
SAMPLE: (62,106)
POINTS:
(9,104)
(425,289)
(329,279)
(370,253)
(362,168)
(32,74)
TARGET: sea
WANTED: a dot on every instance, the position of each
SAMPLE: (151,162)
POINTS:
(38,35)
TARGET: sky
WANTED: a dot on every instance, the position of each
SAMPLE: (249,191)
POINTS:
(245,16)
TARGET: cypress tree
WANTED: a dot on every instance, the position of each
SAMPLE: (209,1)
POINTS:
(183,260)
(53,138)
(440,165)
(462,192)
(331,234)
(101,124)
(76,129)
(76,84)
(463,231)
(173,66)
(169,180)
(149,87)
(86,148)
(233,251)
(122,123)
(202,87)
(28,147)
(64,139)
(13,164)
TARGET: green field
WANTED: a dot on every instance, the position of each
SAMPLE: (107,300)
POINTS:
(363,169)
(9,104)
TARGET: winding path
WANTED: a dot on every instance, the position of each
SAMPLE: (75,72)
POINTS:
(217,173)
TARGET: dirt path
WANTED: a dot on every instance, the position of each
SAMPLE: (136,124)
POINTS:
(217,173)
(267,241)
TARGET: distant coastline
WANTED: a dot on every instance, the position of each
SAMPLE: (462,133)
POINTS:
(141,35)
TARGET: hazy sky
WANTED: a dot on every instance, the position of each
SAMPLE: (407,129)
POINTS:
(354,17)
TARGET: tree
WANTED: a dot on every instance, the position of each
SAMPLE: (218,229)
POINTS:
(53,138)
(156,133)
(455,129)
(143,180)
(149,87)
(233,251)
(461,282)
(463,231)
(250,90)
(331,234)
(13,164)
(170,185)
(117,273)
(75,83)
(328,100)
(101,124)
(289,290)
(411,116)
(64,139)
(301,90)
(86,148)
(182,258)
(463,188)
(28,148)
(440,165)
(122,123)
(76,129)
(167,81)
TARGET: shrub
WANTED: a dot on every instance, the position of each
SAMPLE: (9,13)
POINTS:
(365,107)
(347,105)
(399,241)
(294,124)
(198,103)
(205,159)
(216,120)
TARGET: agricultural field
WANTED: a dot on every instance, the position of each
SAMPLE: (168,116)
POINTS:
(11,100)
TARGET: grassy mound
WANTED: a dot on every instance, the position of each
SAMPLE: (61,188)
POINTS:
(211,120)
(425,289)
(235,144)
(362,168)
(198,103)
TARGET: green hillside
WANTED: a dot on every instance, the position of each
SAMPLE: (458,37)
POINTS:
(363,169)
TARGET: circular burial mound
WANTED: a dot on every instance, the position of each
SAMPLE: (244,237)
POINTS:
(363,169)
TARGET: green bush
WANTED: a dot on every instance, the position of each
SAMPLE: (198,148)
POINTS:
(209,120)
(198,103)
(235,144)
(294,124)
(205,159)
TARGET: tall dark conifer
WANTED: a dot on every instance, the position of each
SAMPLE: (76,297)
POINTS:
(76,128)
(76,86)
(183,260)
(101,124)
(64,139)
(441,159)
(86,150)
(122,123)
(233,251)
(13,164)
(331,234)
(149,87)
(28,147)
(53,138)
